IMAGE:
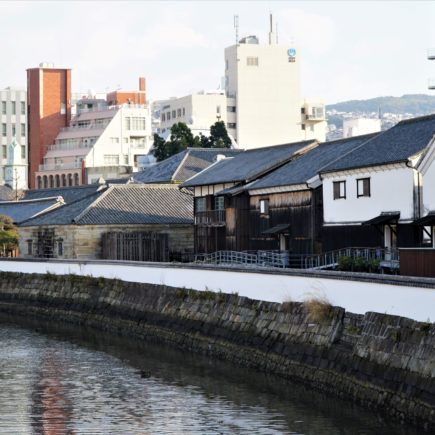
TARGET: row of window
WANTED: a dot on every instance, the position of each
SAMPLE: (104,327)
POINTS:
(135,123)
(59,247)
(362,188)
(201,203)
(113,159)
(14,130)
(13,107)
(174,114)
(5,152)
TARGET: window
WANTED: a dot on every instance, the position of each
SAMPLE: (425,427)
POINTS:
(178,112)
(163,117)
(125,159)
(226,64)
(231,109)
(174,114)
(3,129)
(252,61)
(339,189)
(23,152)
(14,130)
(135,123)
(114,139)
(231,125)
(264,206)
(13,107)
(23,107)
(303,110)
(60,247)
(184,111)
(218,110)
(4,152)
(111,159)
(200,204)
(168,116)
(62,108)
(219,203)
(4,107)
(23,130)
(363,187)
(29,247)
(303,126)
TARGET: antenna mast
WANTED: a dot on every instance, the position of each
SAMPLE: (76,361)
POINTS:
(236,26)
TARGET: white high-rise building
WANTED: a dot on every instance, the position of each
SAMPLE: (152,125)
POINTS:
(263,90)
(13,118)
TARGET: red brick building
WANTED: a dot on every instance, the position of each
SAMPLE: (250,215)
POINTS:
(116,98)
(49,109)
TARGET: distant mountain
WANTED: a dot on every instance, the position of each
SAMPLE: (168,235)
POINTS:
(417,104)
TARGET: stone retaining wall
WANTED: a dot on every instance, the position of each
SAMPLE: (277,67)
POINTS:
(380,361)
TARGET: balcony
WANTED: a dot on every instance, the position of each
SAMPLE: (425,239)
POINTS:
(212,218)
(59,166)
(431,53)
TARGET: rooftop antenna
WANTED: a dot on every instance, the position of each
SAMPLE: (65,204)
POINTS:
(236,26)
(271,34)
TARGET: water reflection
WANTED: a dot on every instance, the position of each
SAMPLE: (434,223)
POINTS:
(67,380)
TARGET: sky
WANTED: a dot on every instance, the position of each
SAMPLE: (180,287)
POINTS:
(348,49)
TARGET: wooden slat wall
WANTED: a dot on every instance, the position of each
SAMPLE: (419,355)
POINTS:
(417,262)
(138,246)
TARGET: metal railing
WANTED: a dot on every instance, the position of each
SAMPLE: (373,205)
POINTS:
(56,166)
(210,217)
(383,258)
(248,258)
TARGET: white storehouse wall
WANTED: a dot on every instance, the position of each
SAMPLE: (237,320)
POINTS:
(357,296)
(391,189)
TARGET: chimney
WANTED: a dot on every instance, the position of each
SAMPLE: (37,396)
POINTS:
(142,84)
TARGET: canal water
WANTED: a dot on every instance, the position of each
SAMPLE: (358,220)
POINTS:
(64,380)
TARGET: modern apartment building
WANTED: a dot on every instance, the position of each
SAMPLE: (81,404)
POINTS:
(199,111)
(49,110)
(13,116)
(102,140)
(313,120)
(359,126)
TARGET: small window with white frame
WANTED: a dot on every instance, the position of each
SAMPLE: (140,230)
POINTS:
(252,61)
(264,206)
(339,189)
(362,187)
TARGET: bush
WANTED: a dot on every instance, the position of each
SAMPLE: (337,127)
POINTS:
(319,309)
(360,264)
(345,263)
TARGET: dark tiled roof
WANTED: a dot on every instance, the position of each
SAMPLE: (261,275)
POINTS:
(307,166)
(63,215)
(22,210)
(397,144)
(69,194)
(125,204)
(247,165)
(182,166)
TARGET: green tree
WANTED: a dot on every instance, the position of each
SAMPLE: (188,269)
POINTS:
(181,138)
(159,148)
(219,136)
(8,235)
